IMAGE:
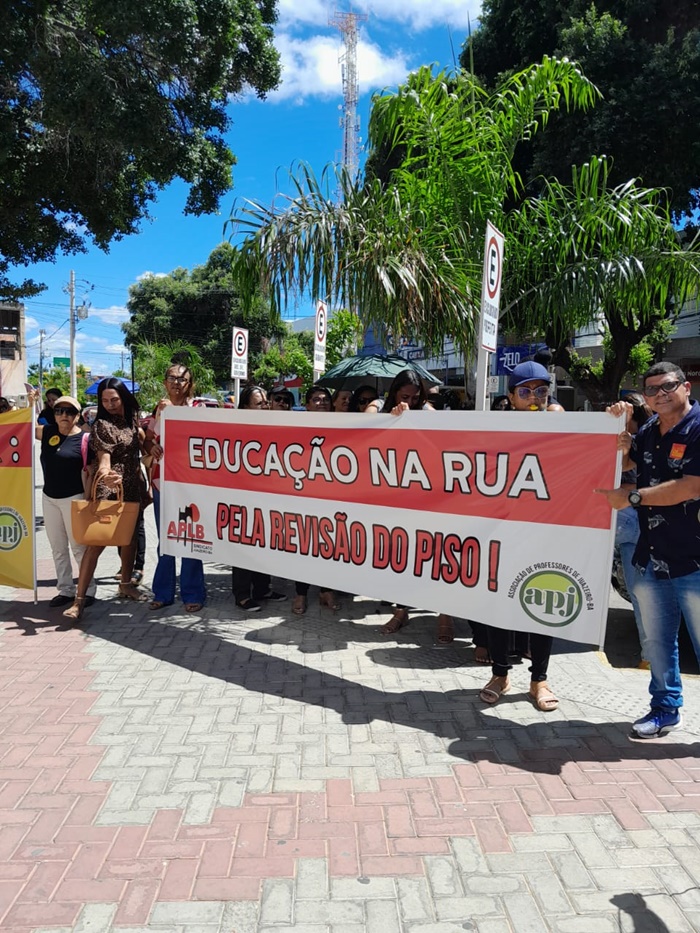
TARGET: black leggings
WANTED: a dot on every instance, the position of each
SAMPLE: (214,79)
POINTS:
(243,580)
(499,640)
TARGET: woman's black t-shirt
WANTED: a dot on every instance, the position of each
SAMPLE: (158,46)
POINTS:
(62,463)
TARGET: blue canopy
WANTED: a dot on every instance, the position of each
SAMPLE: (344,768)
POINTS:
(131,386)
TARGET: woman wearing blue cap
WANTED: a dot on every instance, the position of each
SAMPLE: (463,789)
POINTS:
(528,390)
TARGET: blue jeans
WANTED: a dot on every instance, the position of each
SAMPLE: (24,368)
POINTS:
(192,588)
(661,603)
(626,537)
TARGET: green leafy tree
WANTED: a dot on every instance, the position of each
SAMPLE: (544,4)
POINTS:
(293,355)
(345,332)
(589,252)
(151,361)
(201,308)
(645,59)
(104,104)
(288,357)
(58,377)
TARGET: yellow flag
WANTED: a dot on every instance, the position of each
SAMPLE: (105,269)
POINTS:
(17,538)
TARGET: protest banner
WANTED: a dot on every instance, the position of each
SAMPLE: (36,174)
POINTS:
(17,558)
(481,515)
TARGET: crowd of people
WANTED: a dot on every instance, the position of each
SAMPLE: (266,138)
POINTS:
(658,529)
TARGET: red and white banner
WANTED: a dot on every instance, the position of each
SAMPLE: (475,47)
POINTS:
(484,515)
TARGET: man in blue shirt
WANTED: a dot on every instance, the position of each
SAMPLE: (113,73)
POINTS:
(666,452)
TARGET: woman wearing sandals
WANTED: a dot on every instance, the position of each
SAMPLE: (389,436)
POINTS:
(179,389)
(115,440)
(528,390)
(406,393)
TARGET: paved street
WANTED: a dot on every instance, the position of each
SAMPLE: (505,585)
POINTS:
(220,773)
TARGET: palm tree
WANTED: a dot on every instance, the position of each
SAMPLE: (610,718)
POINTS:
(587,252)
(408,254)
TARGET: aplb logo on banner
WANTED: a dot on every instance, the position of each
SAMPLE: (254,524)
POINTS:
(17,499)
(487,517)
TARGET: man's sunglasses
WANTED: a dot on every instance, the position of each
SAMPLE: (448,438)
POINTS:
(64,411)
(666,387)
(526,391)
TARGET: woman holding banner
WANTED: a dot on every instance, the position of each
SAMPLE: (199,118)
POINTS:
(179,389)
(318,398)
(249,586)
(406,393)
(115,440)
(528,390)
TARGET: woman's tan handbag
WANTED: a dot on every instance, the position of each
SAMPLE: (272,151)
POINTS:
(104,522)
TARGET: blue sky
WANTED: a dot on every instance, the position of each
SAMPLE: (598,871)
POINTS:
(300,121)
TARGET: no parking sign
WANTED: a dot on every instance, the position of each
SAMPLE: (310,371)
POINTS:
(320,337)
(491,287)
(239,354)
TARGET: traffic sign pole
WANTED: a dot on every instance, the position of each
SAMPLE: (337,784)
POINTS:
(239,360)
(490,300)
(320,339)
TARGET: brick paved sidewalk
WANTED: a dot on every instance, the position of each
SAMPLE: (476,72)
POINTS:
(226,774)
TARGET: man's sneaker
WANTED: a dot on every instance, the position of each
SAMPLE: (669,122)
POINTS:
(657,722)
(273,597)
(249,605)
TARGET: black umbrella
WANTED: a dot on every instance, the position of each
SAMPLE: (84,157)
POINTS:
(377,369)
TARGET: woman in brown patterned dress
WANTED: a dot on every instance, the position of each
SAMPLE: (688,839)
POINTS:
(115,441)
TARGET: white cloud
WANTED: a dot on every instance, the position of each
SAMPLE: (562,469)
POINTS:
(310,67)
(417,14)
(116,348)
(151,275)
(30,323)
(117,314)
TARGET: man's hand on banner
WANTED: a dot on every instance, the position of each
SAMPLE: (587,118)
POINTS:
(617,498)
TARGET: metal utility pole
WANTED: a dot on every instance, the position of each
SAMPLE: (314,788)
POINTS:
(71,299)
(350,121)
(75,314)
(42,334)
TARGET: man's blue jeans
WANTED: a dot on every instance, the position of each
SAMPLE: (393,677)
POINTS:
(192,588)
(661,603)
(626,537)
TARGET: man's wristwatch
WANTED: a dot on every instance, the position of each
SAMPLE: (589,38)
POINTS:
(635,498)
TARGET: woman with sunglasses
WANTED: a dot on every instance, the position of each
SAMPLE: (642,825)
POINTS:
(528,390)
(179,389)
(63,458)
(362,397)
(115,440)
(406,393)
(281,400)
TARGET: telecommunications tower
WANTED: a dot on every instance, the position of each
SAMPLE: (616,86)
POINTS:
(350,121)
